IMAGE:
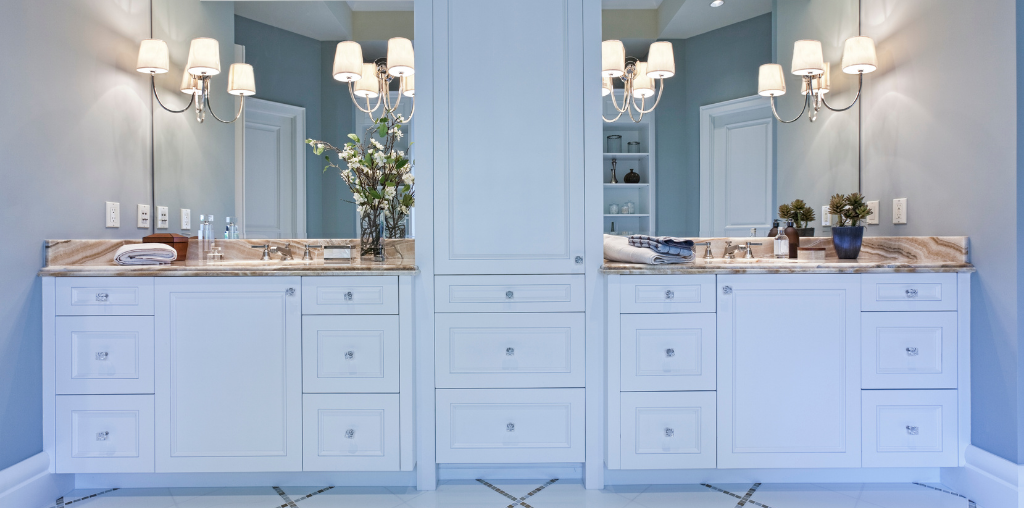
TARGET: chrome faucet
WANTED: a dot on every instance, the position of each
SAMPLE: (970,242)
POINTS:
(306,256)
(286,252)
(749,252)
(266,251)
(730,250)
(707,249)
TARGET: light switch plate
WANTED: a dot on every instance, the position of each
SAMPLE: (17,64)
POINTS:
(186,218)
(142,213)
(873,218)
(163,219)
(113,214)
(899,211)
(826,218)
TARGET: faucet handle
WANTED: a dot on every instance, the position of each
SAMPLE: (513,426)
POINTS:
(750,252)
(707,249)
(306,256)
(266,251)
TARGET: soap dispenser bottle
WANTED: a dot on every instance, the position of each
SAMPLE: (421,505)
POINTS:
(781,249)
(775,229)
(794,239)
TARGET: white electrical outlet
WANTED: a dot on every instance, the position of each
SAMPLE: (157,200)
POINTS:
(142,213)
(899,211)
(826,218)
(163,218)
(113,214)
(186,218)
(873,218)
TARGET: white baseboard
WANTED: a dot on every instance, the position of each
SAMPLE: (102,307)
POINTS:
(29,483)
(284,479)
(822,475)
(988,480)
(562,471)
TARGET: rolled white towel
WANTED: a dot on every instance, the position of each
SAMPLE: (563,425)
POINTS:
(617,248)
(145,254)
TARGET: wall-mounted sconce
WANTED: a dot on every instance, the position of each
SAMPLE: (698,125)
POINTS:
(203,64)
(637,77)
(373,81)
(858,58)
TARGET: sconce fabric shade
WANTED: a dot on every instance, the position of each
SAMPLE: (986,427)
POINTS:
(348,62)
(241,80)
(367,86)
(859,55)
(613,59)
(204,56)
(661,61)
(606,86)
(820,84)
(401,61)
(153,57)
(190,84)
(807,58)
(771,80)
(409,85)
(643,86)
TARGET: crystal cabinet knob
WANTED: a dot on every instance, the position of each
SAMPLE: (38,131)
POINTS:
(509,294)
(101,356)
(912,430)
(510,427)
(510,351)
(726,290)
(102,297)
(911,293)
(102,436)
(911,351)
(290,292)
(350,433)
(349,355)
(669,432)
(348,296)
(670,352)
(669,294)
(579,260)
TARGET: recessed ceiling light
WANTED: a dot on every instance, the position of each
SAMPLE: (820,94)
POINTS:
(718,3)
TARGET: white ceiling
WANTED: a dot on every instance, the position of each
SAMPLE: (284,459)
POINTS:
(323,21)
(630,4)
(695,17)
(381,5)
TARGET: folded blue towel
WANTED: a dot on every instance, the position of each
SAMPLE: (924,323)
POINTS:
(663,244)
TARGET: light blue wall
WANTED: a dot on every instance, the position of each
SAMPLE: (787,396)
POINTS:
(713,67)
(1020,227)
(78,136)
(338,112)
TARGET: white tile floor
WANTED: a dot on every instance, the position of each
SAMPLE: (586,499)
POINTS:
(529,494)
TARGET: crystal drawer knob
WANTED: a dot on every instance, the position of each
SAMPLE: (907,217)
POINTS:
(349,355)
(510,351)
(669,432)
(348,296)
(669,294)
(102,297)
(102,436)
(912,430)
(290,292)
(350,433)
(726,290)
(509,294)
(101,356)
(911,293)
(510,427)
(579,260)
(911,351)
(670,352)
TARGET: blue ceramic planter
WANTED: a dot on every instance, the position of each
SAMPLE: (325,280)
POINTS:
(847,241)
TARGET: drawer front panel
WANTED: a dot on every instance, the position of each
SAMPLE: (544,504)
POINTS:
(105,434)
(350,432)
(909,349)
(350,295)
(510,426)
(515,350)
(908,292)
(660,294)
(104,355)
(347,354)
(671,430)
(662,352)
(509,293)
(104,296)
(909,428)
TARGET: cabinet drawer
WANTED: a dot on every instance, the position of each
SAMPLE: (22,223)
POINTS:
(663,352)
(509,293)
(343,354)
(510,350)
(510,426)
(671,430)
(908,292)
(909,350)
(350,432)
(104,296)
(105,434)
(104,354)
(909,428)
(660,294)
(350,295)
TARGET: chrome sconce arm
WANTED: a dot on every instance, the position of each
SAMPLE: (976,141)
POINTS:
(206,100)
(152,80)
(860,88)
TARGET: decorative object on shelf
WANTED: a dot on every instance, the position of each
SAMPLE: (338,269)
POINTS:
(637,77)
(369,81)
(849,209)
(631,177)
(380,179)
(800,214)
(203,64)
(633,147)
(859,58)
(613,210)
(630,207)
(614,179)
(614,144)
(613,228)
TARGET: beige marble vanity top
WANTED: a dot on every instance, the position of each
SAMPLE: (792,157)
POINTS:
(891,254)
(95,258)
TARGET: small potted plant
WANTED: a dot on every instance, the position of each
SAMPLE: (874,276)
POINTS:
(800,214)
(850,209)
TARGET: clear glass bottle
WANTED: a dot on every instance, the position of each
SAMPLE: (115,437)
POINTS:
(231,230)
(781,245)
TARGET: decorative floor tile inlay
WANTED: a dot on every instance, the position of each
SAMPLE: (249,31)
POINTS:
(518,501)
(970,504)
(744,500)
(61,503)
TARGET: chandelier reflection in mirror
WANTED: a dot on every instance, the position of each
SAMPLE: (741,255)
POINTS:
(858,58)
(637,77)
(203,64)
(370,81)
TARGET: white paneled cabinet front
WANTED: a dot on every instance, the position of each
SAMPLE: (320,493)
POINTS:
(500,207)
(350,354)
(228,374)
(788,371)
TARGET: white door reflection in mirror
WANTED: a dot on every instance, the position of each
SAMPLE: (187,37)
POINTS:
(274,171)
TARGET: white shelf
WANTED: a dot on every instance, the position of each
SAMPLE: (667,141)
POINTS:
(642,163)
(625,185)
(626,155)
(627,215)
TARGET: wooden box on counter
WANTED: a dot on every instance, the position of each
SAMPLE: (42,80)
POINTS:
(178,242)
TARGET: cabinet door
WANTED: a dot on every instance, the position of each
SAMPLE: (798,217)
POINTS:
(788,371)
(228,374)
(508,164)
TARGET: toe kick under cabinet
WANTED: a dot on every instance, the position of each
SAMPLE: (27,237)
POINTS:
(228,374)
(788,370)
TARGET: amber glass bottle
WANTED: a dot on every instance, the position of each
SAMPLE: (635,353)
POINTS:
(794,239)
(775,229)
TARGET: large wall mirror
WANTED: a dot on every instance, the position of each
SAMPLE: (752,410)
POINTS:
(258,170)
(710,159)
